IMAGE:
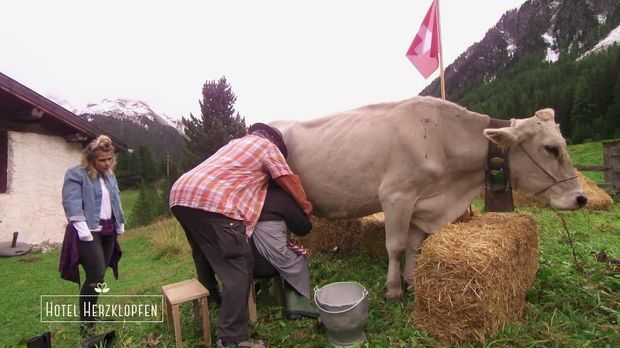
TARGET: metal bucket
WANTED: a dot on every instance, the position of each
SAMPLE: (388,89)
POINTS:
(343,307)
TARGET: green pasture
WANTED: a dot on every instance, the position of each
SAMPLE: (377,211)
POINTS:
(574,302)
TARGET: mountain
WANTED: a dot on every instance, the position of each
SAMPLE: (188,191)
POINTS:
(552,29)
(611,39)
(136,123)
(134,110)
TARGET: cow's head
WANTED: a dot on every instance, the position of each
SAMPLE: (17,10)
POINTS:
(539,161)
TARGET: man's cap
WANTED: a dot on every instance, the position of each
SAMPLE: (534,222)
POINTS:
(275,136)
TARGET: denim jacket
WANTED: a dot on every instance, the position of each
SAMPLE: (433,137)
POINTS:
(81,197)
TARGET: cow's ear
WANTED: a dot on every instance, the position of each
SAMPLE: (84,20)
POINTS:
(545,114)
(501,136)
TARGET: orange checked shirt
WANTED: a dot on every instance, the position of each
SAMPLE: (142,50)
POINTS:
(232,182)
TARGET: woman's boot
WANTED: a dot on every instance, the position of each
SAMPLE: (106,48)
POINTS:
(297,305)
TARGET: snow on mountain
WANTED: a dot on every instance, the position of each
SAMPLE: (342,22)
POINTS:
(136,111)
(61,101)
(613,37)
(553,54)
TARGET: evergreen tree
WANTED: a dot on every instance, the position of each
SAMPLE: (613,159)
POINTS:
(133,168)
(148,206)
(583,93)
(122,172)
(165,196)
(142,208)
(149,168)
(195,142)
(612,117)
(218,125)
(581,112)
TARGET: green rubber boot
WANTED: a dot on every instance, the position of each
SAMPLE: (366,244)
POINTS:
(297,305)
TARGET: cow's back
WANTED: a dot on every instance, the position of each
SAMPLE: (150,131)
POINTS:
(339,161)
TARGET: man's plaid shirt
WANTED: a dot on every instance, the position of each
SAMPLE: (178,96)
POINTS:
(232,182)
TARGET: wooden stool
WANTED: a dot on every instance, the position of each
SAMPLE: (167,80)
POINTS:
(252,297)
(252,303)
(181,292)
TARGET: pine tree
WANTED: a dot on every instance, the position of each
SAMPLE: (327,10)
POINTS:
(218,125)
(133,168)
(584,93)
(581,112)
(613,113)
(165,196)
(123,176)
(195,142)
(148,206)
(142,208)
(149,168)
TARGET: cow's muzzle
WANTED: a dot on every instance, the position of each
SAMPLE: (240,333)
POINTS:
(556,181)
(582,200)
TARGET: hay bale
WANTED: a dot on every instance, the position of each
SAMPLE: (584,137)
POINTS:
(469,214)
(521,200)
(354,235)
(373,231)
(349,235)
(598,199)
(471,278)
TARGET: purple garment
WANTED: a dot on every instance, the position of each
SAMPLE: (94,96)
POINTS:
(70,257)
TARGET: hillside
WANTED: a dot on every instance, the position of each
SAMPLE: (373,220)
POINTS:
(567,27)
(558,54)
(136,123)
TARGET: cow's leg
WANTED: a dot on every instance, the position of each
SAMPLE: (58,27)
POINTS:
(397,216)
(416,237)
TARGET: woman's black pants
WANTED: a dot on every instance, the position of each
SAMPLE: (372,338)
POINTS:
(94,257)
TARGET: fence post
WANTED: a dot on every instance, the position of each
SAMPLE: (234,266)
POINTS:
(611,158)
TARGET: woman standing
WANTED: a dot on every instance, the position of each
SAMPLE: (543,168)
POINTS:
(92,204)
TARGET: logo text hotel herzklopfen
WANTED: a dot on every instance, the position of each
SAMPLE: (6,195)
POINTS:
(109,308)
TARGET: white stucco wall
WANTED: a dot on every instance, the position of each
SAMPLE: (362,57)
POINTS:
(33,203)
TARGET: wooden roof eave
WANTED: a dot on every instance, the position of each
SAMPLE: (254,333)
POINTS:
(56,111)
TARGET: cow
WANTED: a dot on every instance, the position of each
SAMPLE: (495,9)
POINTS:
(422,162)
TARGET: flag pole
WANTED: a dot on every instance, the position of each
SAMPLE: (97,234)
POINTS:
(441,74)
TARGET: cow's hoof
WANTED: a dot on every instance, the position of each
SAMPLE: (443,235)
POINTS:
(394,296)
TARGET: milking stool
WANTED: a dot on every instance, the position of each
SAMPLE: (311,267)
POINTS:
(277,297)
(181,292)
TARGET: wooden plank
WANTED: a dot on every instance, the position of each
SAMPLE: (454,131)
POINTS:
(611,159)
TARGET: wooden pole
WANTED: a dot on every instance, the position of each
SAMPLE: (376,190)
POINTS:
(167,164)
(441,74)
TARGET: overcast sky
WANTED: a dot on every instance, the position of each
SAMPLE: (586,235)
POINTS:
(284,59)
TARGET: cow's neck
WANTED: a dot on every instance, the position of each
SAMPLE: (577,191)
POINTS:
(467,149)
(467,158)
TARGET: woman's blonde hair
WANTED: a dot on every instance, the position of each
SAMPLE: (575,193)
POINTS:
(102,143)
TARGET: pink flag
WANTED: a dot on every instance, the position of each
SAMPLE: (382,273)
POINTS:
(424,50)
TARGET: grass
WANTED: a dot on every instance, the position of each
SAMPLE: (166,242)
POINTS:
(573,302)
(588,154)
(141,272)
(128,200)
